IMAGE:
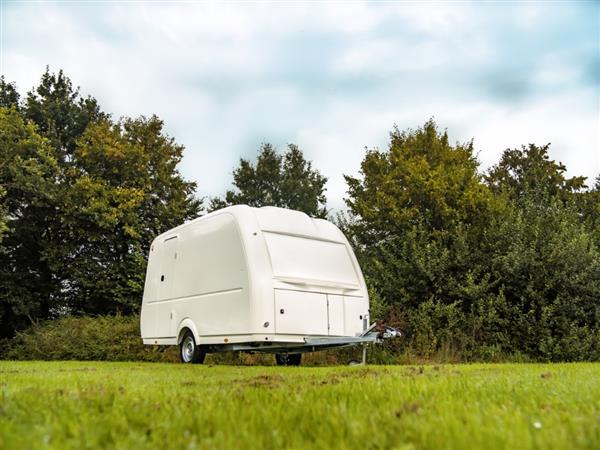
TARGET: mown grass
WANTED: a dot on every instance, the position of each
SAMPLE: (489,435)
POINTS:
(93,405)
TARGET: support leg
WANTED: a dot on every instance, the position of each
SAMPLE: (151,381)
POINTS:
(364,354)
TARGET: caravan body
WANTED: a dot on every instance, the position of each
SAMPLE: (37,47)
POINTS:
(255,279)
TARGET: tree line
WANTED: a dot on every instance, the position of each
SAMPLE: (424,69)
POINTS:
(483,264)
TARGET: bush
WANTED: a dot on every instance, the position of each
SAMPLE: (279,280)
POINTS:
(105,338)
(117,338)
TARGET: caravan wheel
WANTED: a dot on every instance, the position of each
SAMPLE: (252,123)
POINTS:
(189,352)
(288,359)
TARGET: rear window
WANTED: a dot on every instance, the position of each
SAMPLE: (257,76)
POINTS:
(300,259)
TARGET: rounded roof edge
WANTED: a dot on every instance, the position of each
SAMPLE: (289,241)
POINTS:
(234,210)
(273,218)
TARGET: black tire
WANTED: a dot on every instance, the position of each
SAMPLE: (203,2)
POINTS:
(288,359)
(189,351)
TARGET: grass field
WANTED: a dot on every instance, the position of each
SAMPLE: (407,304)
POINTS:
(66,405)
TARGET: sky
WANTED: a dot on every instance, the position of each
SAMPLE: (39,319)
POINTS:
(333,78)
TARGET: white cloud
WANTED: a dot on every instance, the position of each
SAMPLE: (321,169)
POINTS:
(333,77)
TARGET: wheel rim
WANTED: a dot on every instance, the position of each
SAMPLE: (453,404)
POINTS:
(187,349)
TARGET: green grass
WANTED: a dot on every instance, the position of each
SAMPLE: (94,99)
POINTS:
(65,405)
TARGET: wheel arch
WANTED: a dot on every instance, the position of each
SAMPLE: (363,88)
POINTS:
(188,324)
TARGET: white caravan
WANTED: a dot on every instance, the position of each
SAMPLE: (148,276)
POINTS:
(254,279)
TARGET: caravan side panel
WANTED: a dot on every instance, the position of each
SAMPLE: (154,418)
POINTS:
(203,278)
(212,280)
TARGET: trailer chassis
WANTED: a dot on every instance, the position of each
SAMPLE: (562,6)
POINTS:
(373,335)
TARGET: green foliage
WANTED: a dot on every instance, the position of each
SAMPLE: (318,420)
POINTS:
(588,203)
(3,215)
(529,173)
(85,196)
(60,113)
(420,181)
(104,338)
(70,405)
(28,174)
(9,96)
(124,189)
(477,269)
(548,268)
(287,181)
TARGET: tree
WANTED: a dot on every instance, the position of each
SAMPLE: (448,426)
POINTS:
(60,112)
(589,205)
(85,196)
(287,181)
(3,215)
(421,180)
(529,172)
(481,270)
(124,189)
(418,214)
(28,174)
(8,94)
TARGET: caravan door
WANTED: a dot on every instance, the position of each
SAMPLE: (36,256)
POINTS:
(164,305)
